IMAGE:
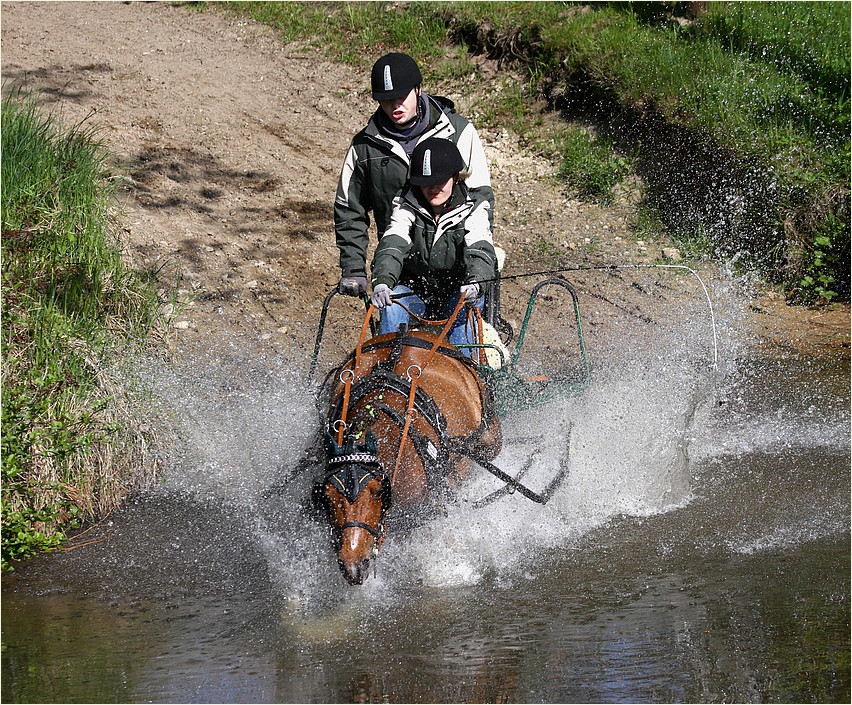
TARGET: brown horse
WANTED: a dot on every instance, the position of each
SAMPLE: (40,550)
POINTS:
(407,412)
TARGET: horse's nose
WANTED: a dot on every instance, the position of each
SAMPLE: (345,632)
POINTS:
(356,571)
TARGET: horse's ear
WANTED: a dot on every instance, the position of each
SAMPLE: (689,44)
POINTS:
(371,443)
(331,447)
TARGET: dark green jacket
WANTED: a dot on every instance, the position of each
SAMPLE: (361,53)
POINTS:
(432,257)
(375,171)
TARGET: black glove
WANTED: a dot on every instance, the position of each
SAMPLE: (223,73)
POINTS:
(352,286)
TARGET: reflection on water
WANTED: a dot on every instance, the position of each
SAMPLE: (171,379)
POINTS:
(744,628)
(699,553)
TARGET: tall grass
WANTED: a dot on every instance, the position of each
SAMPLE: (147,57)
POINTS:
(68,301)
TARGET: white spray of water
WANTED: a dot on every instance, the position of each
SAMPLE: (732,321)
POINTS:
(625,442)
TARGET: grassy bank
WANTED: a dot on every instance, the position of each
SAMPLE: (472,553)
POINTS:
(737,119)
(69,305)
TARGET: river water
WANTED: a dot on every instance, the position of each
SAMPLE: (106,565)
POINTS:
(699,551)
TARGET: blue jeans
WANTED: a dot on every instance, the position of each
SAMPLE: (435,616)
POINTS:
(393,316)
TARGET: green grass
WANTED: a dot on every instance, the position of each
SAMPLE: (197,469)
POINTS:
(68,303)
(592,165)
(351,32)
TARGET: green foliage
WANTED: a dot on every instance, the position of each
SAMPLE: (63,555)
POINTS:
(828,252)
(591,166)
(797,39)
(67,300)
(798,55)
(648,226)
(353,32)
(21,536)
(507,106)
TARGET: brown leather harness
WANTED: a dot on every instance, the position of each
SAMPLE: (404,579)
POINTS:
(383,377)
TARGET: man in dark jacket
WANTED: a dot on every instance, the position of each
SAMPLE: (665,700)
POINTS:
(376,164)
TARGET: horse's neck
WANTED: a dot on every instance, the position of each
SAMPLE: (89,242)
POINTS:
(414,477)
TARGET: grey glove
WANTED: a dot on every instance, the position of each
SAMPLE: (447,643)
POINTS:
(381,296)
(352,286)
(470,291)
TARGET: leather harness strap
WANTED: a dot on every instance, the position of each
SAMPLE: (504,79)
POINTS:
(411,396)
(377,532)
(348,381)
(381,378)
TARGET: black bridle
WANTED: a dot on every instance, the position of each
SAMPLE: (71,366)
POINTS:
(349,474)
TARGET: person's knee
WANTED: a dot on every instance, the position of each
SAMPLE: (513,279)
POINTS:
(392,318)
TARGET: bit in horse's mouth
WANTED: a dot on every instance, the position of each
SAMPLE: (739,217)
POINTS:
(355,574)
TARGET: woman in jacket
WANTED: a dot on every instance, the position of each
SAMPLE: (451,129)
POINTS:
(437,246)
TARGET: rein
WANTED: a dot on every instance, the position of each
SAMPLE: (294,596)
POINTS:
(341,423)
(473,314)
(410,411)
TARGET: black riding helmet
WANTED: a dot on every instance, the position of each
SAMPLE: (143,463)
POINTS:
(393,76)
(434,161)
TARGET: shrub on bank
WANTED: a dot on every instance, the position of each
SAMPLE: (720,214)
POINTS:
(68,304)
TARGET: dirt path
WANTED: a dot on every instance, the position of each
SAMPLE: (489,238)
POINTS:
(233,144)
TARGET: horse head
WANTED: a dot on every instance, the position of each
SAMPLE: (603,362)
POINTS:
(356,493)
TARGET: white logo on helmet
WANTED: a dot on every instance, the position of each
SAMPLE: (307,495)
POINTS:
(427,163)
(388,81)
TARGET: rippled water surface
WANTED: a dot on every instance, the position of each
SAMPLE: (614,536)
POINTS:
(699,552)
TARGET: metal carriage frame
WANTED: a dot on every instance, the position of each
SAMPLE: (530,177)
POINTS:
(513,391)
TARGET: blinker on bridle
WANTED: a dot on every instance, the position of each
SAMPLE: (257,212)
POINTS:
(349,473)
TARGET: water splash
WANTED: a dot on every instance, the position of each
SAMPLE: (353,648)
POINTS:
(629,443)
(625,443)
